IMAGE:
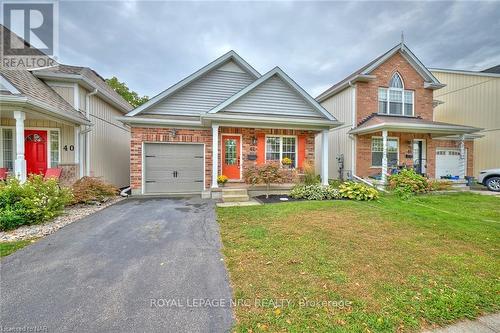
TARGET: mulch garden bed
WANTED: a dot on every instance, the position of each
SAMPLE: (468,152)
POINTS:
(275,198)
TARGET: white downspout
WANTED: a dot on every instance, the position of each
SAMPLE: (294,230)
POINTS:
(87,132)
(353,137)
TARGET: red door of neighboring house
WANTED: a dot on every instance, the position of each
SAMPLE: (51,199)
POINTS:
(35,151)
(231,156)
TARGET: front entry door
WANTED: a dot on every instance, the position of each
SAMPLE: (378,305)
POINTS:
(231,156)
(35,150)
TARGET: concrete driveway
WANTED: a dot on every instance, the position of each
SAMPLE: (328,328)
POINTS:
(142,265)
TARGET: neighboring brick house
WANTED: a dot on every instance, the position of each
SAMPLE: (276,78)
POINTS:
(222,119)
(387,108)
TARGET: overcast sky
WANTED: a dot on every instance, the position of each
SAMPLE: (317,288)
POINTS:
(152,45)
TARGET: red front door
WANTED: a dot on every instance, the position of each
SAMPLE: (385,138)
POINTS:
(231,156)
(35,150)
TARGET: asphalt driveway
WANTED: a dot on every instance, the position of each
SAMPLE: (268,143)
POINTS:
(142,265)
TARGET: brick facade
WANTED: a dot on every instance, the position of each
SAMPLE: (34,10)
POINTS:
(367,104)
(147,134)
(367,92)
(364,154)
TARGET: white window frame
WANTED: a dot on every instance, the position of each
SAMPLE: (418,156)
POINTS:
(403,91)
(371,151)
(281,147)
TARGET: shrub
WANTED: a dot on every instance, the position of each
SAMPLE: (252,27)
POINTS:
(407,183)
(357,191)
(314,192)
(35,201)
(268,173)
(92,190)
(439,185)
(310,176)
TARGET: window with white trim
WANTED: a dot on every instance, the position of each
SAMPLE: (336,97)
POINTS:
(54,149)
(7,145)
(279,147)
(395,100)
(377,150)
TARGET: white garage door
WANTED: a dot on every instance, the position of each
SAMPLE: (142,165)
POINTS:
(173,168)
(448,162)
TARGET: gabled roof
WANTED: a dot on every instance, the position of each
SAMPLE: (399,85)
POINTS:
(293,85)
(364,73)
(231,55)
(494,69)
(35,91)
(88,77)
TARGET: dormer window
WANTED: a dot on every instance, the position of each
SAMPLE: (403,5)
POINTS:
(395,100)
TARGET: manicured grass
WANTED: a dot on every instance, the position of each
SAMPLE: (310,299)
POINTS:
(7,248)
(403,265)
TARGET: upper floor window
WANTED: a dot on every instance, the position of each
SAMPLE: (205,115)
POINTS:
(395,100)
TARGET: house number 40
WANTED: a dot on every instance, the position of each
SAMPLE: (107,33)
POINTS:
(71,148)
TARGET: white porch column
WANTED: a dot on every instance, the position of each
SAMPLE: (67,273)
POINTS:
(20,163)
(463,162)
(215,155)
(384,157)
(324,157)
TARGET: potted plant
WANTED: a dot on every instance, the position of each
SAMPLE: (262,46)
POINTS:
(222,180)
(286,162)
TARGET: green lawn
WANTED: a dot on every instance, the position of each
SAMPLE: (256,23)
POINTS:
(7,248)
(399,265)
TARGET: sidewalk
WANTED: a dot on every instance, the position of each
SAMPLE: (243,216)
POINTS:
(485,324)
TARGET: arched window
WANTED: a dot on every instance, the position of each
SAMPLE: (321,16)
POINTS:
(395,100)
(396,81)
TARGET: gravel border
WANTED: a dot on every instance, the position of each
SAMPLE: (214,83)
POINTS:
(70,215)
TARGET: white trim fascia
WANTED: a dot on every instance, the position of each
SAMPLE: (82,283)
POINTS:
(10,87)
(87,83)
(292,84)
(464,72)
(221,117)
(330,92)
(155,121)
(76,96)
(416,127)
(43,108)
(231,55)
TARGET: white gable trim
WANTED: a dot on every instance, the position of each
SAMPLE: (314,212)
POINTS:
(275,71)
(184,82)
(9,86)
(411,58)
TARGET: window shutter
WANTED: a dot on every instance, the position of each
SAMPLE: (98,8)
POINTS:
(261,148)
(301,147)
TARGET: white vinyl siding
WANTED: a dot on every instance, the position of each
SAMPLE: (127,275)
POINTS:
(273,97)
(340,143)
(203,94)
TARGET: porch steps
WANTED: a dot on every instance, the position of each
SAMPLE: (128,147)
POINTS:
(235,195)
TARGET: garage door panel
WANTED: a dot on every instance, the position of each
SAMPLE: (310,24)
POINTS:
(173,168)
(448,162)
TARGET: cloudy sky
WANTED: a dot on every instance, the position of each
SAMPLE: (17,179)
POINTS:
(152,45)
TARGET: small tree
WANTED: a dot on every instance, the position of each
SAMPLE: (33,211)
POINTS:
(270,173)
(129,95)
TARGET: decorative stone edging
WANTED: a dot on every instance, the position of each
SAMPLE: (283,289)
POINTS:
(70,215)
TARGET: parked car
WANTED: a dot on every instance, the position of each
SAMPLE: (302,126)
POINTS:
(490,178)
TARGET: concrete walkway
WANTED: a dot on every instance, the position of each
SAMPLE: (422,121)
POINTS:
(485,324)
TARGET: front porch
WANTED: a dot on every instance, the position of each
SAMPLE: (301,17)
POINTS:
(31,142)
(436,150)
